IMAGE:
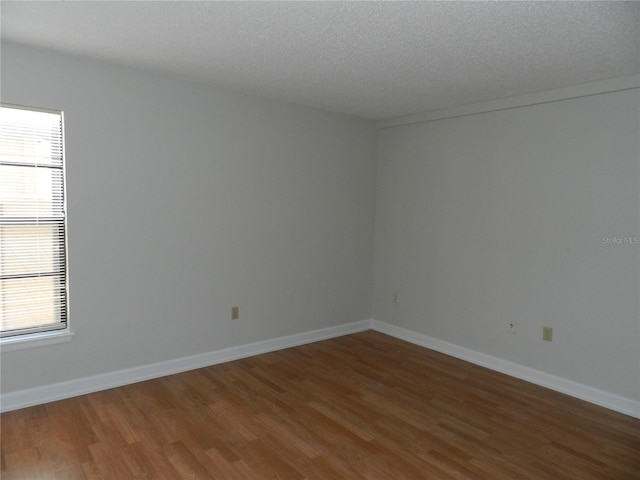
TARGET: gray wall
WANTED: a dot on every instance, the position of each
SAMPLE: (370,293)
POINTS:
(500,216)
(185,200)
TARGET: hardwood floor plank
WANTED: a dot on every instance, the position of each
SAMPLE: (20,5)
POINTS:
(362,406)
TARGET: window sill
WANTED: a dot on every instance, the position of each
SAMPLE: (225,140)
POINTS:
(9,344)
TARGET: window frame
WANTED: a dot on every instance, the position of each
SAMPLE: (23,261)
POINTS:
(61,331)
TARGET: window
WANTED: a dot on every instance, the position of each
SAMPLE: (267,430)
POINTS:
(33,279)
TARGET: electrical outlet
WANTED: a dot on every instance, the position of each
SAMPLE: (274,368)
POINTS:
(395,297)
(512,327)
(547,334)
(235,313)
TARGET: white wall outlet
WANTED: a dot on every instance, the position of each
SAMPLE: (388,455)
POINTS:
(512,327)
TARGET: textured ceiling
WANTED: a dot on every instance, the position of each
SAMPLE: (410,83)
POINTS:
(371,59)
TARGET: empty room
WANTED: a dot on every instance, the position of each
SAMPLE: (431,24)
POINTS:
(319,240)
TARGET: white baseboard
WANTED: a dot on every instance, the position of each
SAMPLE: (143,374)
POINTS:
(583,392)
(81,386)
(58,391)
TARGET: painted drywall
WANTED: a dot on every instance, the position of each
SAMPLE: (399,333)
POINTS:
(185,200)
(512,216)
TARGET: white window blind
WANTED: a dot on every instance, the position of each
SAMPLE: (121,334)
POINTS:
(33,293)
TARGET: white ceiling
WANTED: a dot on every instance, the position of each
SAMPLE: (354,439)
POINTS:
(371,59)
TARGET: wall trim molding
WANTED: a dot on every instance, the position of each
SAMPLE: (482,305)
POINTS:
(59,391)
(576,91)
(583,392)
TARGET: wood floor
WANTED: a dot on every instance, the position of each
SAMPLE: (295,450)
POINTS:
(360,406)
